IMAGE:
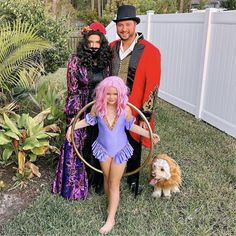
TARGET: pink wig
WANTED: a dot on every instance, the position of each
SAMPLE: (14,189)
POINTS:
(101,95)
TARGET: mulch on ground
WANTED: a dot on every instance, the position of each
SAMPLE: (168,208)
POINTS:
(16,196)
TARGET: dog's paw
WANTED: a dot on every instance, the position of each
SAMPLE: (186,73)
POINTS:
(175,189)
(156,194)
(166,193)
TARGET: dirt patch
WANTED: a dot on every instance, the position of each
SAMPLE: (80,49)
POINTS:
(15,198)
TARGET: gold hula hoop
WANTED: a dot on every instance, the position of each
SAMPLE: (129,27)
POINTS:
(95,169)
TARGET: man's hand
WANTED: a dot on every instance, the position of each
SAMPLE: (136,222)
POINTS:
(143,124)
(156,138)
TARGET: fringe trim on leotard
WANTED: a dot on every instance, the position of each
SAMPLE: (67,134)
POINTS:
(123,155)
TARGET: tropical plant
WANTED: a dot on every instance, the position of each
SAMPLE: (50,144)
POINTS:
(56,31)
(20,49)
(8,108)
(23,138)
(47,96)
(33,96)
(41,94)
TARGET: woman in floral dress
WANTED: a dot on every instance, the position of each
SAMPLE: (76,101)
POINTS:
(85,70)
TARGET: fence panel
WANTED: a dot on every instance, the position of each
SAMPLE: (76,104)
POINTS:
(219,108)
(73,42)
(198,63)
(179,38)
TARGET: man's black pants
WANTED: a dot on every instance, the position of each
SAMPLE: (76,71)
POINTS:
(135,161)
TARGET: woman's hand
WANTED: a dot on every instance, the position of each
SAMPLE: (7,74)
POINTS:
(69,134)
(156,138)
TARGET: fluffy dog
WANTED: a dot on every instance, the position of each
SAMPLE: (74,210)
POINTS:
(165,176)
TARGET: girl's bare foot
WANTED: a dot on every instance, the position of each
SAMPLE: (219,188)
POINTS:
(107,227)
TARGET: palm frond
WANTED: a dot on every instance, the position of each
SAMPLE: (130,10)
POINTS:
(8,108)
(20,49)
(28,77)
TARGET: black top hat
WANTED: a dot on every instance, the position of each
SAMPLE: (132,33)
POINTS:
(127,12)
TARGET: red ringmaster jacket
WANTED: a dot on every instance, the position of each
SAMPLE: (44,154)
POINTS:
(144,74)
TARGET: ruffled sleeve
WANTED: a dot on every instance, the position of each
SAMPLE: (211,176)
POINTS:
(91,120)
(129,123)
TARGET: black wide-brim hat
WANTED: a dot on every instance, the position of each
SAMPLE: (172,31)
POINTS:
(127,12)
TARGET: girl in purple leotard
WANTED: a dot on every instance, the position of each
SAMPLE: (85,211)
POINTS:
(112,148)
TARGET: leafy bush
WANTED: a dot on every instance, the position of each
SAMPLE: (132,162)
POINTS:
(55,31)
(228,4)
(47,92)
(142,6)
(47,96)
(88,16)
(23,138)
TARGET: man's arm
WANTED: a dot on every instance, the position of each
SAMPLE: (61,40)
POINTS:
(152,77)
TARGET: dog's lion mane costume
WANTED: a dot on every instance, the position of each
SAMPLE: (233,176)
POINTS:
(172,183)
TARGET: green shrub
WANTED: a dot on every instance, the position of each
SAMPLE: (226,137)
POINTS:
(23,138)
(88,16)
(55,31)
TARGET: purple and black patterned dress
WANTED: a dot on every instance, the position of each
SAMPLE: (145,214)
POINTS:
(71,180)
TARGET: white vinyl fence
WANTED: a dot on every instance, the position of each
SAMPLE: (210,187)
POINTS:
(198,62)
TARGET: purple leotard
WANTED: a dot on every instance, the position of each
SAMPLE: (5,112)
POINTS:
(111,142)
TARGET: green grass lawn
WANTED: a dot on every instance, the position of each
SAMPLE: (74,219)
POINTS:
(205,205)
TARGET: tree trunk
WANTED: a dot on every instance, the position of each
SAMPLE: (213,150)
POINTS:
(54,8)
(102,7)
(181,6)
(92,5)
(99,9)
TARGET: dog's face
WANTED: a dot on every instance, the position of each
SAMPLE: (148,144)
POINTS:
(160,170)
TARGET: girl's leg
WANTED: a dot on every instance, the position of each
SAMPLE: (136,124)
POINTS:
(115,174)
(105,166)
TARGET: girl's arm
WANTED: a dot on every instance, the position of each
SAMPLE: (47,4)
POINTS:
(139,130)
(79,124)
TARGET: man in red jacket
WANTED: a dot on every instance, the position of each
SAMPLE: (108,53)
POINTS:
(138,63)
